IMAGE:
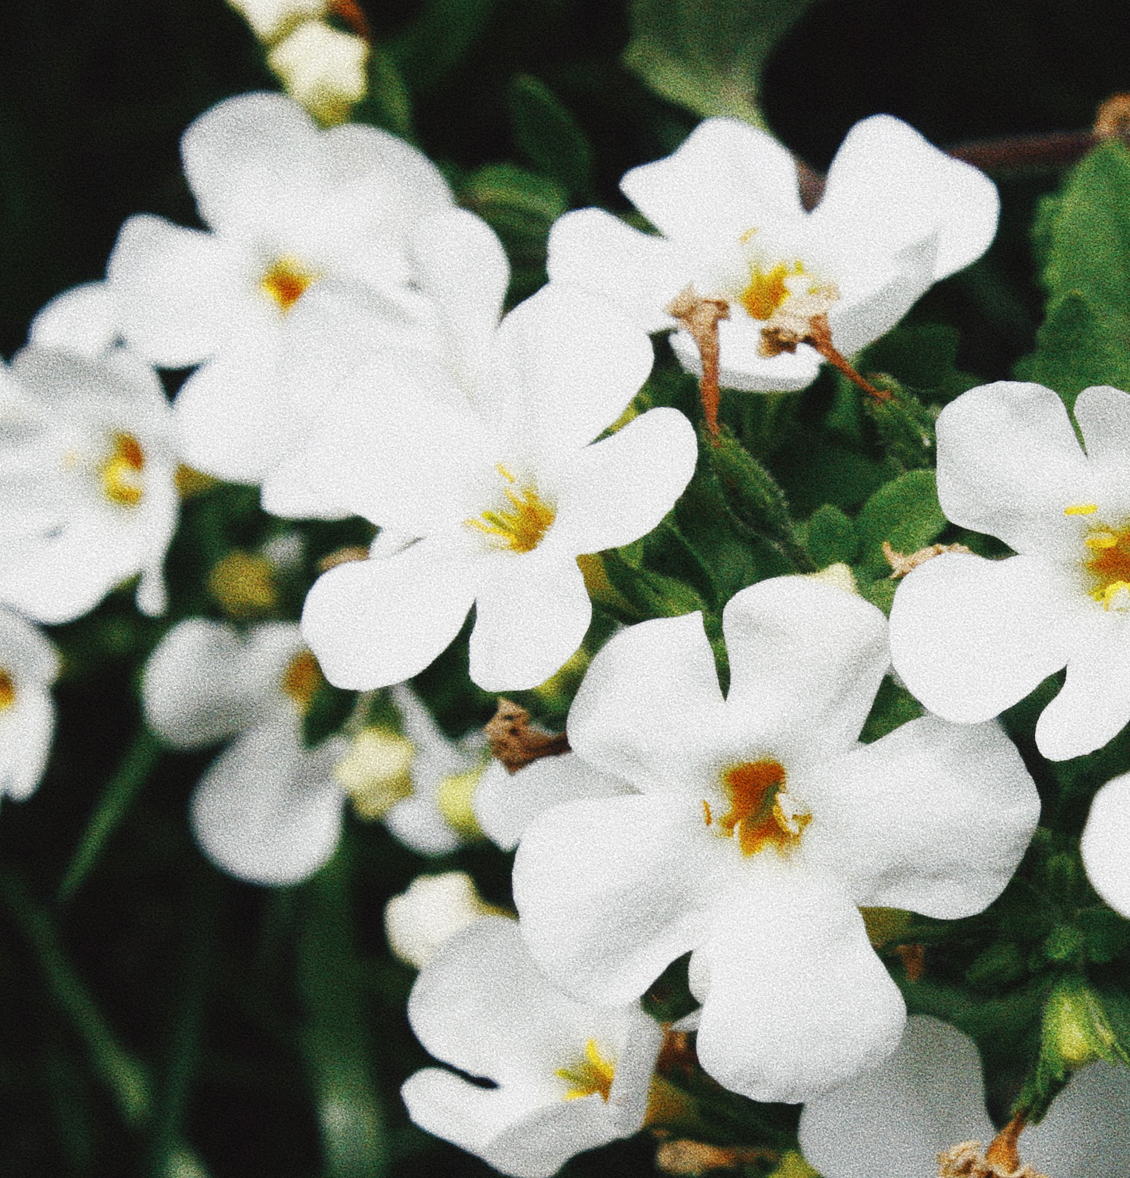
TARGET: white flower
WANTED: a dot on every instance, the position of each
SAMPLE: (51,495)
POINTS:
(267,810)
(897,216)
(497,478)
(892,1122)
(568,1077)
(322,68)
(433,909)
(296,215)
(759,827)
(970,636)
(83,319)
(87,492)
(1106,844)
(28,666)
(268,18)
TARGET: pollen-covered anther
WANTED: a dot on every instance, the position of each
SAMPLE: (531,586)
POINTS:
(522,524)
(762,812)
(1107,560)
(121,473)
(591,1075)
(7,691)
(286,281)
(301,679)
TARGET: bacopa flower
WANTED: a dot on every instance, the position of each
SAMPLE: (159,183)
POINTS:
(567,1076)
(897,216)
(295,214)
(28,666)
(894,1121)
(971,636)
(759,826)
(489,466)
(87,491)
(1106,844)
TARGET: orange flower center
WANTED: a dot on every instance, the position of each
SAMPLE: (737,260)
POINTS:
(285,282)
(7,690)
(121,472)
(1107,559)
(762,813)
(301,679)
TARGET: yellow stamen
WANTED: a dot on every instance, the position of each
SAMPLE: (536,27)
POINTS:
(767,289)
(7,690)
(301,679)
(285,282)
(707,816)
(121,472)
(592,1075)
(1108,562)
(761,813)
(1081,509)
(521,526)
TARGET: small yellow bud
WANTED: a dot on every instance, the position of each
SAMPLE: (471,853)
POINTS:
(375,773)
(243,584)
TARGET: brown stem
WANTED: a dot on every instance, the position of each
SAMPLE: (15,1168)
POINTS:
(1004,1151)
(350,12)
(701,316)
(515,742)
(820,338)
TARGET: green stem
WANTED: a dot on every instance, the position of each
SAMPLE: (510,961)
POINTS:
(122,789)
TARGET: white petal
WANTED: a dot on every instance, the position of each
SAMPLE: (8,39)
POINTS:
(643,699)
(934,817)
(595,251)
(83,319)
(530,617)
(970,636)
(1085,1132)
(192,688)
(177,291)
(620,488)
(1106,838)
(894,1120)
(1008,465)
(611,890)
(807,654)
(798,1001)
(26,731)
(268,811)
(726,178)
(506,803)
(1103,414)
(25,651)
(372,623)
(1093,705)
(418,824)
(566,366)
(889,187)
(741,365)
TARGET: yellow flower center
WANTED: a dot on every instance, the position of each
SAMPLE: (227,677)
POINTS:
(7,691)
(522,523)
(762,813)
(1107,559)
(301,679)
(590,1075)
(767,289)
(285,282)
(121,472)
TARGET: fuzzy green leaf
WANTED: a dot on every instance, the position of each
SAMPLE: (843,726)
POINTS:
(831,537)
(905,513)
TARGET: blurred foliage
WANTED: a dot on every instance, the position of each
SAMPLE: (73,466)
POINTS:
(163,1020)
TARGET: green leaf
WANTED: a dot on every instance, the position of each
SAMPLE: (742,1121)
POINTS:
(549,135)
(905,513)
(438,40)
(328,710)
(831,537)
(707,55)
(519,205)
(1084,236)
(387,102)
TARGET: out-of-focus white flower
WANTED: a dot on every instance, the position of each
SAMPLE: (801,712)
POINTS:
(267,810)
(498,479)
(87,491)
(1106,844)
(971,636)
(434,908)
(296,215)
(758,827)
(28,666)
(322,68)
(269,18)
(897,216)
(83,319)
(568,1077)
(893,1121)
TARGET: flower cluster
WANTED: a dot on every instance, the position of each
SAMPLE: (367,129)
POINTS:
(353,357)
